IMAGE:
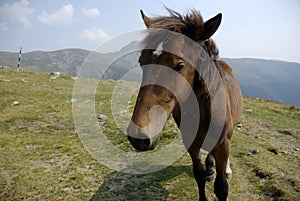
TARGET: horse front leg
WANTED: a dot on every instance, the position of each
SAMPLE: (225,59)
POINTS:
(199,173)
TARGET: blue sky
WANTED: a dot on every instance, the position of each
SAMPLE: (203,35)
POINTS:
(267,29)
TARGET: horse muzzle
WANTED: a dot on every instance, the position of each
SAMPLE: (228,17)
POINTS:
(143,143)
(141,138)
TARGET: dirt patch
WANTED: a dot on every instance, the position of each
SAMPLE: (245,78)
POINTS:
(274,192)
(36,126)
(262,175)
(283,140)
(285,132)
(273,150)
(295,185)
(28,125)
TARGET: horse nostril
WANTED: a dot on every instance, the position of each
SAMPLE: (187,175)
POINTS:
(146,143)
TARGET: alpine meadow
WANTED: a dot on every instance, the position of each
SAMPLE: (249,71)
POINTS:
(42,157)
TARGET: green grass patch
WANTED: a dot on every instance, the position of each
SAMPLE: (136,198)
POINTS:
(42,157)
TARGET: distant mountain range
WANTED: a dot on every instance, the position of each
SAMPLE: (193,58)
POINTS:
(268,79)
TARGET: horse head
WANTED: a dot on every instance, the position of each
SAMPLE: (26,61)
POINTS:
(168,77)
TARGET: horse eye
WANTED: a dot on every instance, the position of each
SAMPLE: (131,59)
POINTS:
(179,66)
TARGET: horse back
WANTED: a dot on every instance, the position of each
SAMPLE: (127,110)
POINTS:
(234,95)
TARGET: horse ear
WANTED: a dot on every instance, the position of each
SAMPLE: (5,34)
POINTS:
(146,19)
(210,27)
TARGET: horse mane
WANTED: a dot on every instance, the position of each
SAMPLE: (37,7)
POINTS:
(191,25)
(189,22)
(212,49)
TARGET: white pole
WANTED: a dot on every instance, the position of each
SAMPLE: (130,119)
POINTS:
(19,60)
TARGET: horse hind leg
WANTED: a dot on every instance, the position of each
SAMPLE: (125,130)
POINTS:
(209,163)
(228,170)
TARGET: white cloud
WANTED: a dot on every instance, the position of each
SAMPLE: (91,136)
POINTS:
(3,26)
(91,13)
(17,12)
(95,34)
(62,16)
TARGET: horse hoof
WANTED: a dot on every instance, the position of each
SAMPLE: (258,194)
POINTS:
(210,178)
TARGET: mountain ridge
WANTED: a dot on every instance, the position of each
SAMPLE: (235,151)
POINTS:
(263,78)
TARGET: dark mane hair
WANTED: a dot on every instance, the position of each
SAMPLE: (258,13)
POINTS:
(186,24)
(191,25)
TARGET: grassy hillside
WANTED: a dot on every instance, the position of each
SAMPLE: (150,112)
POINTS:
(42,158)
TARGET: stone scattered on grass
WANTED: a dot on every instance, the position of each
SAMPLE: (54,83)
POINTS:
(4,80)
(87,101)
(248,110)
(101,118)
(72,100)
(239,126)
(252,152)
(74,78)
(16,103)
(283,152)
(54,75)
(122,112)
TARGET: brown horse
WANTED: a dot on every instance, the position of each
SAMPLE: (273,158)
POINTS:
(167,58)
